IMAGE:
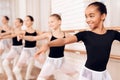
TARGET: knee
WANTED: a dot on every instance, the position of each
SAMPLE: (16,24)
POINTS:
(16,70)
(41,78)
(5,63)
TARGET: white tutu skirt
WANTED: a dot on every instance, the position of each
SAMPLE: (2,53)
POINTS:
(5,44)
(88,74)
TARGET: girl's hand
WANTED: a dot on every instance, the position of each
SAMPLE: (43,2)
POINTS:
(19,37)
(42,50)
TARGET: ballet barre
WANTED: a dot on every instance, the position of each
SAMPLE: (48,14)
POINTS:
(86,29)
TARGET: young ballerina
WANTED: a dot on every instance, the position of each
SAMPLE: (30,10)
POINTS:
(4,44)
(55,58)
(28,51)
(15,49)
(98,43)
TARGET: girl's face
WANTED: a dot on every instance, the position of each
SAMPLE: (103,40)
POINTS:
(54,23)
(93,17)
(28,22)
(17,23)
(4,21)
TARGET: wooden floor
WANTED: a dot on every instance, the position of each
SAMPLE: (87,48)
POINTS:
(35,73)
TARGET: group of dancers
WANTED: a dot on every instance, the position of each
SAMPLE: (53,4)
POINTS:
(24,54)
(98,41)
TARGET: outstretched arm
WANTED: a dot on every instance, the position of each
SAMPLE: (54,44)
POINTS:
(35,38)
(11,34)
(63,41)
(6,33)
(42,50)
(6,36)
(57,42)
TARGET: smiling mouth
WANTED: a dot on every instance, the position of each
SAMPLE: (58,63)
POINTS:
(90,24)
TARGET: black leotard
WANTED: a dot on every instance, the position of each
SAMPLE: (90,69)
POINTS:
(30,44)
(56,52)
(98,47)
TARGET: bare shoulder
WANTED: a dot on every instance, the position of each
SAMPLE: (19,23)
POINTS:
(68,34)
(39,32)
(48,34)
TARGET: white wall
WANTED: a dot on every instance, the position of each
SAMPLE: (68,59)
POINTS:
(21,8)
(39,9)
(33,9)
(45,11)
(29,7)
(72,13)
(7,8)
(115,12)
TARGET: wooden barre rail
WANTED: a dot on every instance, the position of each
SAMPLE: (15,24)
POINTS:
(109,28)
(83,52)
(115,57)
